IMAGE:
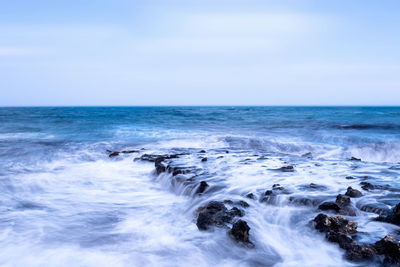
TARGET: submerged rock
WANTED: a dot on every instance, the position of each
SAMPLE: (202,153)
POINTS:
(355,159)
(214,213)
(353,192)
(360,252)
(329,206)
(251,196)
(289,168)
(393,216)
(113,154)
(203,159)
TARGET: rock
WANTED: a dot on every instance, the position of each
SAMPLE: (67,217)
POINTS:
(129,151)
(390,248)
(353,192)
(360,252)
(243,204)
(202,187)
(350,178)
(113,154)
(394,215)
(340,224)
(305,201)
(202,151)
(307,155)
(286,169)
(377,208)
(236,212)
(329,206)
(355,159)
(251,196)
(214,213)
(159,165)
(344,241)
(342,200)
(240,231)
(277,187)
(203,159)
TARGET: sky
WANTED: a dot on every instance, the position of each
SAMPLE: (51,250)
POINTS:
(199,52)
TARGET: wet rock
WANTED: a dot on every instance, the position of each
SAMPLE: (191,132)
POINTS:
(353,192)
(355,159)
(202,151)
(228,201)
(376,208)
(343,240)
(339,224)
(159,165)
(368,186)
(313,187)
(203,159)
(342,200)
(390,248)
(350,178)
(214,213)
(236,212)
(113,154)
(360,252)
(394,215)
(286,169)
(329,206)
(240,231)
(251,196)
(243,204)
(307,155)
(277,187)
(202,187)
(129,151)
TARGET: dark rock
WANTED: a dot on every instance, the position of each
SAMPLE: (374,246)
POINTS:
(342,200)
(368,186)
(355,159)
(329,206)
(236,212)
(269,192)
(343,240)
(277,187)
(307,155)
(228,201)
(251,196)
(360,252)
(350,178)
(286,169)
(353,192)
(203,159)
(159,165)
(202,151)
(305,201)
(340,224)
(394,215)
(203,221)
(227,152)
(113,154)
(243,204)
(240,231)
(377,208)
(129,151)
(390,248)
(202,187)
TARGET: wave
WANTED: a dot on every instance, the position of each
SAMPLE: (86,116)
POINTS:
(361,126)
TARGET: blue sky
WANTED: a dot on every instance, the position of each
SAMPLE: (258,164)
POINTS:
(208,52)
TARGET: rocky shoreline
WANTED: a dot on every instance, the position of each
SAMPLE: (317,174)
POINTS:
(230,214)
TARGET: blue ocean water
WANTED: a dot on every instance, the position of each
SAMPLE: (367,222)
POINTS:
(66,203)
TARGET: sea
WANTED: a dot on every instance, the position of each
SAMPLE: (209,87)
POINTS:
(65,200)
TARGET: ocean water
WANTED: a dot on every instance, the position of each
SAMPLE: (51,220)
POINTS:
(65,202)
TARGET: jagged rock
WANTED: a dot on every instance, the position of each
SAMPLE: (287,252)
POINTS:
(240,231)
(242,203)
(214,213)
(343,240)
(202,187)
(353,192)
(340,224)
(390,248)
(360,252)
(236,212)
